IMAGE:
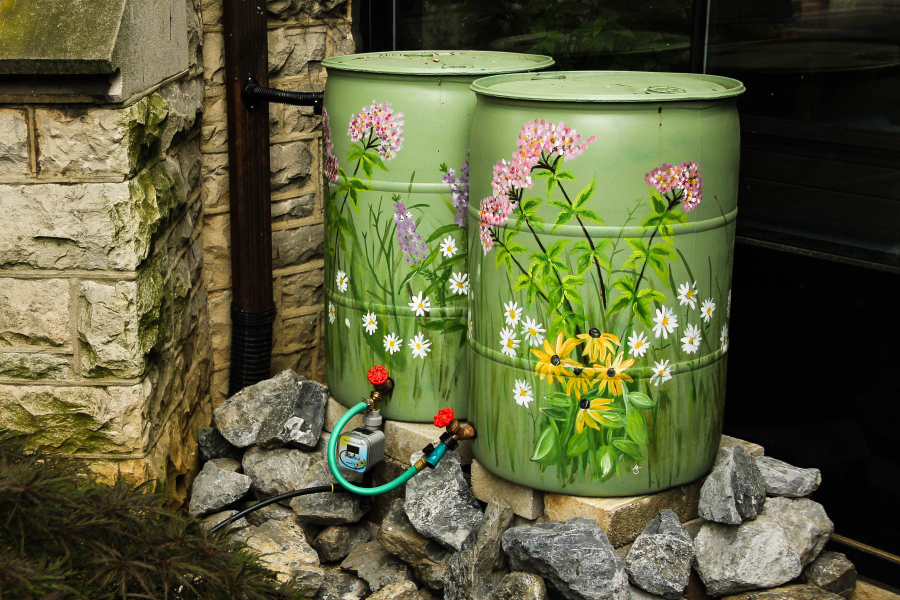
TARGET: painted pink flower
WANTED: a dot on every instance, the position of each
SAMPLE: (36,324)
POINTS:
(664,178)
(501,183)
(383,123)
(487,238)
(494,212)
(331,161)
(685,177)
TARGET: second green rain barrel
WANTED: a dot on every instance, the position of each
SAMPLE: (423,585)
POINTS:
(601,238)
(396,129)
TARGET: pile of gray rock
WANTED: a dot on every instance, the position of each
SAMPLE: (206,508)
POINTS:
(758,530)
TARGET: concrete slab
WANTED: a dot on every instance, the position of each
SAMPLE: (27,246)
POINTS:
(526,502)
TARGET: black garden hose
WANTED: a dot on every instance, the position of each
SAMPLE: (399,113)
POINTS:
(332,488)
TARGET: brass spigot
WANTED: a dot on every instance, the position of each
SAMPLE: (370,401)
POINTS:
(459,432)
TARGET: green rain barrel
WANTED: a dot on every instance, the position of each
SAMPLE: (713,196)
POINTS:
(396,129)
(601,239)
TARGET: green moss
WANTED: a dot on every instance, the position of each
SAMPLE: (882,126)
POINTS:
(31,366)
(144,122)
(151,299)
(58,423)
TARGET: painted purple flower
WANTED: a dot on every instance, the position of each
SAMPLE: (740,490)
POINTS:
(459,189)
(331,161)
(411,243)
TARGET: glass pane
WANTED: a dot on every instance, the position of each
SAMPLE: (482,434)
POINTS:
(579,34)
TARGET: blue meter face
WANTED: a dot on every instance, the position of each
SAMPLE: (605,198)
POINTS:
(353,454)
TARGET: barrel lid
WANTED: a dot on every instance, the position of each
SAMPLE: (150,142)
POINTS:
(439,62)
(608,86)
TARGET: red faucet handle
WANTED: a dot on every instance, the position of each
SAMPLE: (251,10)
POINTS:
(378,375)
(444,417)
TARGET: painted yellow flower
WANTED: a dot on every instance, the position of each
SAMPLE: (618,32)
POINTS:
(590,413)
(598,344)
(552,360)
(582,380)
(611,374)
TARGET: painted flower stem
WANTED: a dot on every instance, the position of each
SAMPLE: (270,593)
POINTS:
(583,229)
(672,204)
(337,233)
(521,268)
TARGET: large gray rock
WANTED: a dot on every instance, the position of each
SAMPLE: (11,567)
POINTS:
(833,572)
(481,565)
(574,557)
(233,527)
(227,464)
(340,585)
(756,554)
(287,409)
(282,548)
(783,479)
(735,490)
(660,558)
(636,593)
(325,508)
(271,512)
(213,445)
(335,542)
(376,566)
(440,504)
(520,586)
(804,522)
(215,489)
(428,558)
(277,471)
(403,590)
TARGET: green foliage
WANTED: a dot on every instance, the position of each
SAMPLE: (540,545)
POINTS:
(64,535)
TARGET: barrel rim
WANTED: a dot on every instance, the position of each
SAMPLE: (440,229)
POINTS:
(351,62)
(487,86)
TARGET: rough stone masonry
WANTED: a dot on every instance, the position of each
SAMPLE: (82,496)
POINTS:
(114,250)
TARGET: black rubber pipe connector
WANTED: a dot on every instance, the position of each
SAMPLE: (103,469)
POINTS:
(254,95)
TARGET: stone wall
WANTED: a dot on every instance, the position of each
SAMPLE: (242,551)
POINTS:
(104,336)
(301,34)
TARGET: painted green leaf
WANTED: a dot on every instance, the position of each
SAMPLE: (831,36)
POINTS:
(585,194)
(578,444)
(441,232)
(565,175)
(659,205)
(554,412)
(544,445)
(558,399)
(613,420)
(636,427)
(628,447)
(607,462)
(640,400)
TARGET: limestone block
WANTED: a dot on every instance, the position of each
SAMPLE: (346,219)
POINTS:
(866,591)
(623,519)
(213,58)
(80,226)
(78,419)
(184,99)
(290,164)
(291,49)
(526,502)
(220,326)
(217,252)
(119,323)
(296,246)
(13,142)
(27,365)
(294,208)
(215,179)
(298,332)
(78,141)
(302,289)
(34,312)
(211,11)
(215,122)
(751,448)
(340,38)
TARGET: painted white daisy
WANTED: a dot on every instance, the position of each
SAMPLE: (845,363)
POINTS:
(512,312)
(392,343)
(728,311)
(347,323)
(666,322)
(420,304)
(691,340)
(661,373)
(448,246)
(707,309)
(342,281)
(637,342)
(522,393)
(420,346)
(724,337)
(687,294)
(332,313)
(533,332)
(370,322)
(508,341)
(459,283)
